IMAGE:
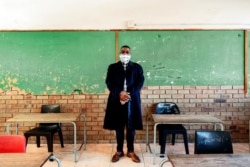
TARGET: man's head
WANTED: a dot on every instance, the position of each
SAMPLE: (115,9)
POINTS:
(125,54)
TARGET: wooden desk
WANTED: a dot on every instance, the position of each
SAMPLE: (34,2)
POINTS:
(50,118)
(26,159)
(210,160)
(180,119)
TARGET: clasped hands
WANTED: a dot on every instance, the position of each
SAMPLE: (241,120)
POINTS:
(124,97)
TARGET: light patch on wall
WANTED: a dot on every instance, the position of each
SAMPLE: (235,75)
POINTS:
(94,86)
(55,78)
(47,88)
(148,74)
(14,80)
(7,92)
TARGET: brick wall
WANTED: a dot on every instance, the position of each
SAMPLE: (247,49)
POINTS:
(228,103)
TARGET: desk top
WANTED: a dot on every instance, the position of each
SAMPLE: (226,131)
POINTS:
(44,117)
(210,160)
(23,159)
(173,119)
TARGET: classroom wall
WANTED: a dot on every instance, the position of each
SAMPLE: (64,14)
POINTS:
(226,101)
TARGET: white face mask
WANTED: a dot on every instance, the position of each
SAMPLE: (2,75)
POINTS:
(125,58)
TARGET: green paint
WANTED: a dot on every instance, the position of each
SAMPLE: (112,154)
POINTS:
(188,57)
(55,62)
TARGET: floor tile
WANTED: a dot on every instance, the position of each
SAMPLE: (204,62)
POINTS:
(99,155)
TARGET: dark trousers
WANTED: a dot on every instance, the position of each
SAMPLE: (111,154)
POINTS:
(130,135)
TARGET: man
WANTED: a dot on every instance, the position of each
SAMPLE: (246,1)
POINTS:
(124,81)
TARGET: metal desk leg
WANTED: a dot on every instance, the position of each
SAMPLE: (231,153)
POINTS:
(84,131)
(163,162)
(155,126)
(146,134)
(147,142)
(84,140)
(16,128)
(52,157)
(8,128)
(221,126)
(75,150)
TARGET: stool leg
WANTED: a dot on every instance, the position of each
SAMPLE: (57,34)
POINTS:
(38,141)
(50,142)
(27,138)
(173,138)
(186,143)
(61,138)
(163,143)
(160,136)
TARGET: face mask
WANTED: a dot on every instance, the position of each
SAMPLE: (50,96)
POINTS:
(125,58)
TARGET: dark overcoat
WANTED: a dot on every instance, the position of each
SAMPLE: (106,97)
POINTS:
(115,81)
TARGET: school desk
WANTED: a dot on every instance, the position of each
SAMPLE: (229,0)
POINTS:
(180,119)
(26,159)
(51,118)
(210,160)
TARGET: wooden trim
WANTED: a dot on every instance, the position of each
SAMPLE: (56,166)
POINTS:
(116,46)
(246,61)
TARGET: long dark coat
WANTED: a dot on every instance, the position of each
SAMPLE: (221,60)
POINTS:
(115,82)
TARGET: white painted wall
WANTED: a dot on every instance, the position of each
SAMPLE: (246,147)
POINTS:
(115,14)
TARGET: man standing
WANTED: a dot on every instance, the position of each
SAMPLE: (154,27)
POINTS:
(124,81)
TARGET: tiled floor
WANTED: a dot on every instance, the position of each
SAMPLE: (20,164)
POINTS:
(99,155)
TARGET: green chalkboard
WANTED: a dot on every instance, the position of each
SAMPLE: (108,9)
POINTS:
(59,62)
(188,57)
(55,62)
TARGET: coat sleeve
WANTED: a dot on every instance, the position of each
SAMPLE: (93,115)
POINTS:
(110,82)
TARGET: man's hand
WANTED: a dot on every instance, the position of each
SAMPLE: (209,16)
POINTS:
(124,97)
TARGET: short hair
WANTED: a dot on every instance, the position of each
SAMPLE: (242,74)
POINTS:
(125,46)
